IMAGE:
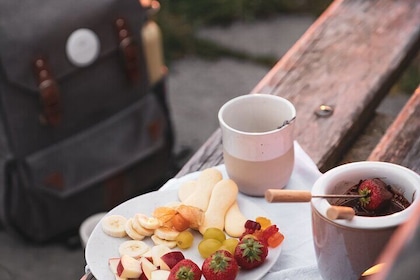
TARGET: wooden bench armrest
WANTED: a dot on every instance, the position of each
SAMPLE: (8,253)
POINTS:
(401,142)
(348,59)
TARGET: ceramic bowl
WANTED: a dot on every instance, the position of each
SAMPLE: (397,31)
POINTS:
(346,248)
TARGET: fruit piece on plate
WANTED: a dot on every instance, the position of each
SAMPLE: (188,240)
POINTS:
(230,244)
(185,239)
(131,232)
(148,254)
(133,248)
(160,275)
(114,225)
(170,259)
(250,253)
(194,215)
(214,233)
(157,252)
(376,194)
(113,264)
(185,269)
(206,247)
(220,265)
(147,267)
(180,223)
(151,223)
(164,214)
(159,241)
(166,233)
(129,267)
(138,227)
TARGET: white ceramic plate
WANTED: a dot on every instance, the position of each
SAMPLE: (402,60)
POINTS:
(101,247)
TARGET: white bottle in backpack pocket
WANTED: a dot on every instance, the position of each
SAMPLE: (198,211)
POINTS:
(152,44)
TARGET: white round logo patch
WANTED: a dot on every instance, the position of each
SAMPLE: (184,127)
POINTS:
(82,47)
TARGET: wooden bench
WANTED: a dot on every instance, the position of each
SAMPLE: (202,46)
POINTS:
(348,59)
(401,142)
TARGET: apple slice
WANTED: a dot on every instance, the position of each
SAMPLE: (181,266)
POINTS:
(157,252)
(113,264)
(147,267)
(160,274)
(129,267)
(148,255)
(170,259)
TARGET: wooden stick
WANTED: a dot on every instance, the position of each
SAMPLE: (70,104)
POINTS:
(340,212)
(275,195)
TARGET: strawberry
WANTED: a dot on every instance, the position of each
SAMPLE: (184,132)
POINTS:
(250,252)
(186,269)
(376,194)
(221,265)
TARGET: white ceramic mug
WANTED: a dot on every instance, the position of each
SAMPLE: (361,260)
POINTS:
(257,135)
(347,248)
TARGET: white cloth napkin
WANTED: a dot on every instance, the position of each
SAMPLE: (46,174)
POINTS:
(297,259)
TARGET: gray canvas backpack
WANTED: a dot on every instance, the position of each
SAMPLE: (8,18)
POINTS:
(81,129)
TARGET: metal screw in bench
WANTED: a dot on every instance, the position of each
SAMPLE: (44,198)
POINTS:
(324,111)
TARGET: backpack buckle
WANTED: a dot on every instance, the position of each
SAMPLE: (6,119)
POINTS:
(49,93)
(129,49)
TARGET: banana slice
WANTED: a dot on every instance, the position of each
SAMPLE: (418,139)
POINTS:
(114,225)
(148,222)
(133,248)
(131,232)
(159,241)
(166,233)
(139,228)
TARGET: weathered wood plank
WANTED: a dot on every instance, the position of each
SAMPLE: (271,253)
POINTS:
(401,142)
(210,154)
(349,59)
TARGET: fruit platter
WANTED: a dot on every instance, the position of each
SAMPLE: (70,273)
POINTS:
(159,234)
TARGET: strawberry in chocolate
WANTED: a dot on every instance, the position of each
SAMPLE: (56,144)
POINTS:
(221,265)
(376,194)
(250,252)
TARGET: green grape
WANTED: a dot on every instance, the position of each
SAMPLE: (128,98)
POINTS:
(185,239)
(208,246)
(214,233)
(230,245)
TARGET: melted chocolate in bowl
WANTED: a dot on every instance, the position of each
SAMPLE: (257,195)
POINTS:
(397,203)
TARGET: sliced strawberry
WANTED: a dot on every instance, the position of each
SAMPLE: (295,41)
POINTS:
(376,194)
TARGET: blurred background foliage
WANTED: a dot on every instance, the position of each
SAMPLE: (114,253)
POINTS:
(180,19)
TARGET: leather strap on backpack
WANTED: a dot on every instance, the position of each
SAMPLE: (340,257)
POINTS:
(49,93)
(129,50)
